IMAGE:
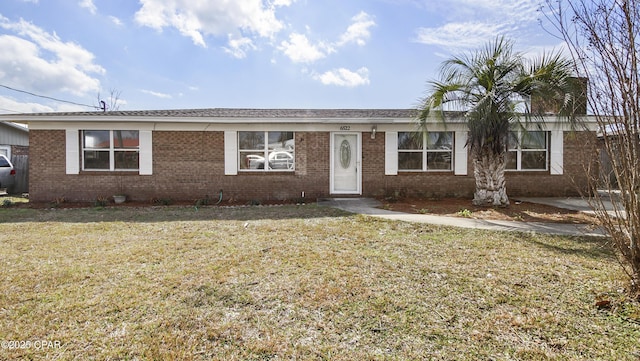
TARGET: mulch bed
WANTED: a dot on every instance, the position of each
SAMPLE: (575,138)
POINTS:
(516,211)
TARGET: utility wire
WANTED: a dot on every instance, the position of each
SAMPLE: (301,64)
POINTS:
(50,98)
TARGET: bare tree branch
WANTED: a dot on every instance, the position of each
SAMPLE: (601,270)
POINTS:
(602,38)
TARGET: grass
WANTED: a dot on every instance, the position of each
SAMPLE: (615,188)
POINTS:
(9,200)
(260,283)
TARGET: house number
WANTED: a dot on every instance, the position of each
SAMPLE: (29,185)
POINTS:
(345,127)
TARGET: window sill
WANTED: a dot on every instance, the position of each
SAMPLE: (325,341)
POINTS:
(425,171)
(110,172)
(526,170)
(254,172)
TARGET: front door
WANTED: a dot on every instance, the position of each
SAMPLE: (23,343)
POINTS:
(345,163)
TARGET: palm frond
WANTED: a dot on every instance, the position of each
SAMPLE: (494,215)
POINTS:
(494,87)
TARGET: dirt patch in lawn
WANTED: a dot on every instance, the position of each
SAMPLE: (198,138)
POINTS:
(517,211)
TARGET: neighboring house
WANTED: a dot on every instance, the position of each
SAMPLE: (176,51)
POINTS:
(14,144)
(283,154)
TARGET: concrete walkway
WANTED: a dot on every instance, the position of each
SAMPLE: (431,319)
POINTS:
(576,204)
(368,206)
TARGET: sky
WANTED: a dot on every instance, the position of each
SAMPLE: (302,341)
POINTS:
(180,54)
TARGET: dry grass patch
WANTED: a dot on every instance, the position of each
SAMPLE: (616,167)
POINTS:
(301,283)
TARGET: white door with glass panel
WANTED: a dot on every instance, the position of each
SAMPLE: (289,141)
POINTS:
(345,163)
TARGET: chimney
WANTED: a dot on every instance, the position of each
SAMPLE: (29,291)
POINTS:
(577,102)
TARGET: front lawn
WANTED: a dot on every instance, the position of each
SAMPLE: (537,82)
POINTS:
(300,282)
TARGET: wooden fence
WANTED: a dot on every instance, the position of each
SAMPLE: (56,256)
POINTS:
(21,165)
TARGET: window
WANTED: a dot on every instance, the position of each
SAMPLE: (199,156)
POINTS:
(527,151)
(110,150)
(420,151)
(266,151)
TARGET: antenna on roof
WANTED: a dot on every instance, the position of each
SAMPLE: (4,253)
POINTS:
(104,106)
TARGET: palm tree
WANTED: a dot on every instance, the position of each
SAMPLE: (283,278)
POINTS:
(492,88)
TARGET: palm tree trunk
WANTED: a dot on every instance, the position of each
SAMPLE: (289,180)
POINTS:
(491,188)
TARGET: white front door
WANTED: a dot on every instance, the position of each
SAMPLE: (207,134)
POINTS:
(345,163)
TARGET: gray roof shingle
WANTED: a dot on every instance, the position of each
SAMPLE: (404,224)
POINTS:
(241,113)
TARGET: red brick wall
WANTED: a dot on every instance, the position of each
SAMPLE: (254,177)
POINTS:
(578,148)
(421,184)
(186,166)
(190,165)
(19,150)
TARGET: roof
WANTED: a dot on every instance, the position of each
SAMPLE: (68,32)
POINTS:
(235,115)
(232,113)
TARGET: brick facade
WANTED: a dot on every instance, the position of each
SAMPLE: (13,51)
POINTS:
(189,165)
(578,148)
(20,150)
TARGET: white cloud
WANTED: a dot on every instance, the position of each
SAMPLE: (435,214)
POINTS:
(300,50)
(459,35)
(358,32)
(89,5)
(10,105)
(157,94)
(39,61)
(238,47)
(344,77)
(196,19)
(474,22)
(116,21)
(283,2)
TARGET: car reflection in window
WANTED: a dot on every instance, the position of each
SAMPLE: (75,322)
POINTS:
(280,160)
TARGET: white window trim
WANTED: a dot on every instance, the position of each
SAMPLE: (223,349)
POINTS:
(73,151)
(519,152)
(266,151)
(112,149)
(391,153)
(426,151)
(460,153)
(556,161)
(231,154)
(145,149)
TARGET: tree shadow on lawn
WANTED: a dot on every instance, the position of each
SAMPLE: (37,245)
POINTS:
(585,246)
(170,213)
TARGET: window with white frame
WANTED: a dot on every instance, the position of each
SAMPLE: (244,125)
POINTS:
(527,151)
(111,150)
(425,151)
(266,151)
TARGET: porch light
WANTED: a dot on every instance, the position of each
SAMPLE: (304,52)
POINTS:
(374,129)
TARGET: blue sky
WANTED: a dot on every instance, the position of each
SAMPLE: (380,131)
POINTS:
(174,54)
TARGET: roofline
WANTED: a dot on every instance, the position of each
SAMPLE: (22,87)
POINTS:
(237,115)
(226,112)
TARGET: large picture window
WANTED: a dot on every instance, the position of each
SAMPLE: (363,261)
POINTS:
(425,151)
(527,151)
(110,150)
(266,151)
